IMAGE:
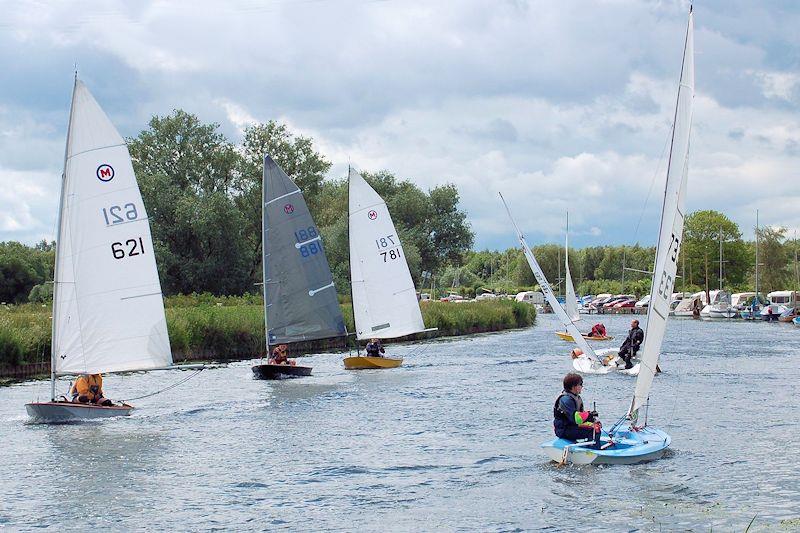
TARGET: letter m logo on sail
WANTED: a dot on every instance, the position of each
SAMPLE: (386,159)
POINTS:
(105,172)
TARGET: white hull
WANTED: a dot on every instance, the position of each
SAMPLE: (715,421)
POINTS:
(588,365)
(59,412)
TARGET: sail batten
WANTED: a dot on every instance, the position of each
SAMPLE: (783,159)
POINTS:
(671,228)
(105,265)
(384,296)
(544,286)
(295,267)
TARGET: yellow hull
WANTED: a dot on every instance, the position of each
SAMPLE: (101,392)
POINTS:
(567,337)
(359,363)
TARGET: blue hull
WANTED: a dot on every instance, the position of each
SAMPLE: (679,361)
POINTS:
(630,447)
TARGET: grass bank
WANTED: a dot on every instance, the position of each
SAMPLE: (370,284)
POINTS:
(203,327)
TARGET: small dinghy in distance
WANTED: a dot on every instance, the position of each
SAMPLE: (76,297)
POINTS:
(626,442)
(384,297)
(564,336)
(108,311)
(300,299)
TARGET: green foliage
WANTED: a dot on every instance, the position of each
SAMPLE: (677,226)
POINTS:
(774,256)
(41,293)
(22,268)
(186,172)
(700,250)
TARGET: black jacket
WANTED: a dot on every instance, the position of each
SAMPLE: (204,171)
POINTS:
(634,340)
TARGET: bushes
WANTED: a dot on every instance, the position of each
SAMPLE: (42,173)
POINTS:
(208,327)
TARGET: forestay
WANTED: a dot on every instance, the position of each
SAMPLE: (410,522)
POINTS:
(299,295)
(570,301)
(671,230)
(384,297)
(108,312)
(548,292)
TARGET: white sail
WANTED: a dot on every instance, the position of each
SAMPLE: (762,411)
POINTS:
(548,292)
(108,312)
(384,297)
(671,231)
(570,301)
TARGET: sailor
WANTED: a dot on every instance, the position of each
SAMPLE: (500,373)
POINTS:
(375,348)
(88,388)
(570,421)
(279,356)
(631,345)
(598,330)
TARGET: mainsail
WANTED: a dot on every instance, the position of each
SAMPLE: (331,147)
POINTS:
(108,312)
(548,292)
(671,229)
(571,301)
(299,295)
(385,302)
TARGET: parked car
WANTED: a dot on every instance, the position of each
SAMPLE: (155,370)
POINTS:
(628,303)
(643,303)
(451,298)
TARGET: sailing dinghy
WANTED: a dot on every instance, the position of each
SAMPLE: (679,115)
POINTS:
(385,302)
(300,299)
(108,311)
(571,300)
(627,442)
(589,362)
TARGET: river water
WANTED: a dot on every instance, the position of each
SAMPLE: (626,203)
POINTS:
(449,441)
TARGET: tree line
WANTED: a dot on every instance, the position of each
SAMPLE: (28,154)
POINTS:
(203,198)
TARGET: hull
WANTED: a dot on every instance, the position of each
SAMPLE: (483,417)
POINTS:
(60,412)
(362,363)
(567,337)
(586,365)
(280,371)
(630,447)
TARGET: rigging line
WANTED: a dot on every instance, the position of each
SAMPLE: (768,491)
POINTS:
(653,182)
(184,380)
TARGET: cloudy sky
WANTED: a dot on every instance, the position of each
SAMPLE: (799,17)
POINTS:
(558,104)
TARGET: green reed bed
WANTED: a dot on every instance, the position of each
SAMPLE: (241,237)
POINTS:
(208,327)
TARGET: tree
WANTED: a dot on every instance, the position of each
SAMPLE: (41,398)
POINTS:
(186,173)
(22,268)
(296,156)
(701,237)
(774,257)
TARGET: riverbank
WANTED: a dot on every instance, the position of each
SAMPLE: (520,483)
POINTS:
(205,328)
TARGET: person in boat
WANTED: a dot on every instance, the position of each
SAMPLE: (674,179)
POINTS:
(577,352)
(88,388)
(598,330)
(279,356)
(570,420)
(375,348)
(631,345)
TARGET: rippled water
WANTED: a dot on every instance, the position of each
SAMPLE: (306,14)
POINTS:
(448,441)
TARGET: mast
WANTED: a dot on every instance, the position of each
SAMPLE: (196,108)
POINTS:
(59,245)
(264,257)
(352,301)
(757,301)
(720,259)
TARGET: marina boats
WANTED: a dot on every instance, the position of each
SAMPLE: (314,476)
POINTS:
(385,302)
(687,306)
(300,301)
(720,306)
(630,441)
(108,310)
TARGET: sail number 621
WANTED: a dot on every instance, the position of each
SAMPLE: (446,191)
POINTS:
(130,248)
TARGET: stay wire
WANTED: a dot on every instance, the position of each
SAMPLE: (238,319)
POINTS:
(184,380)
